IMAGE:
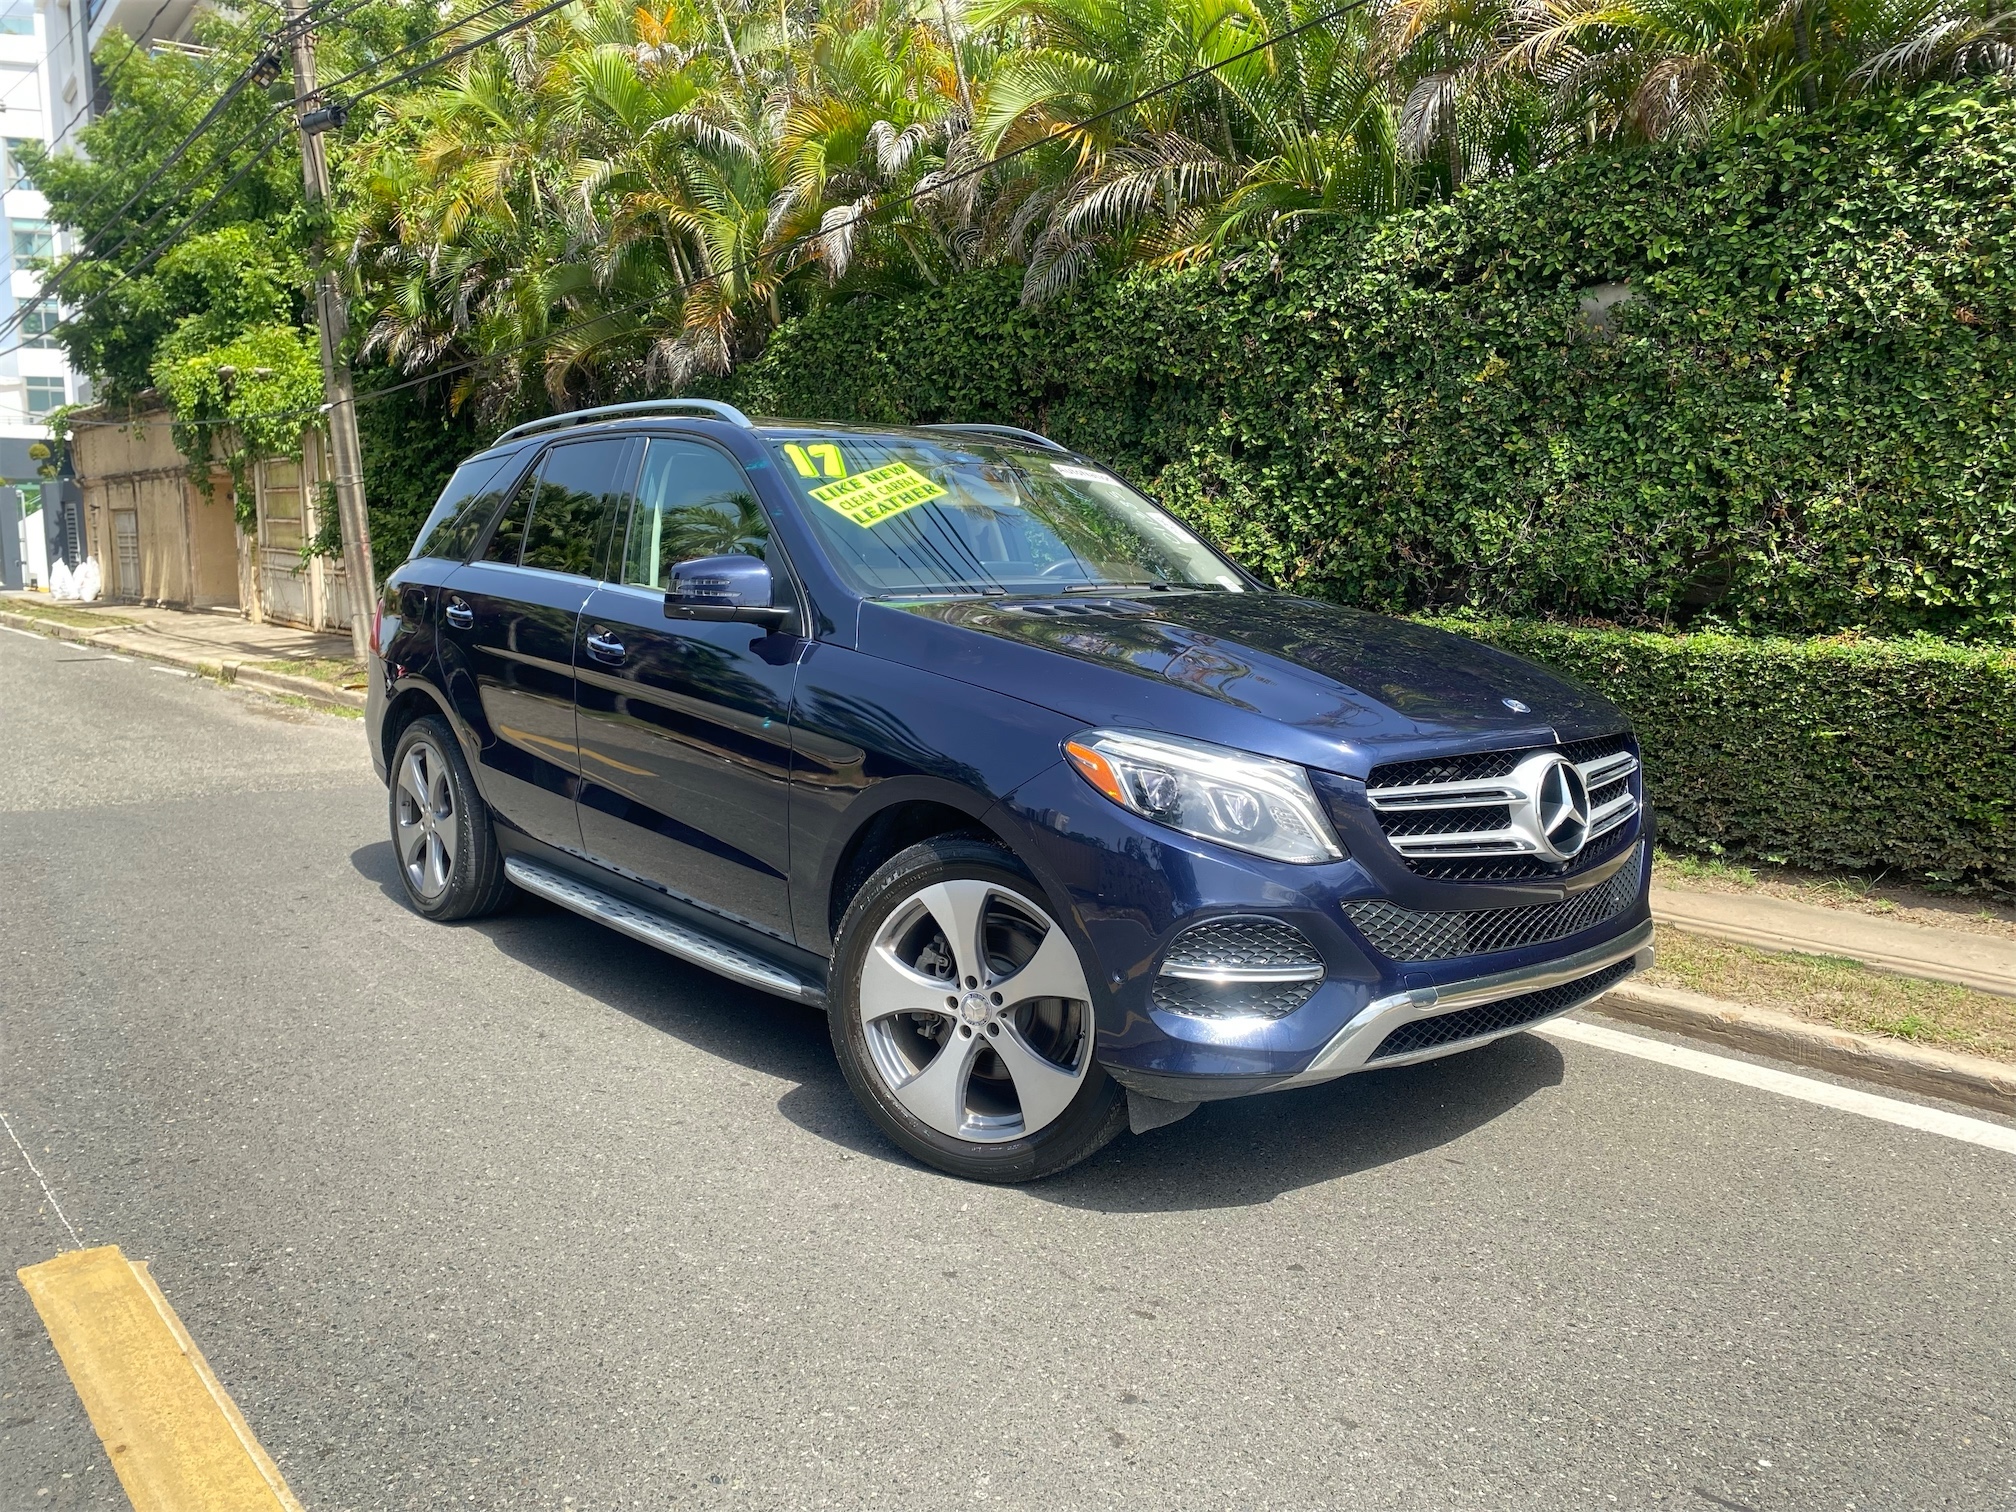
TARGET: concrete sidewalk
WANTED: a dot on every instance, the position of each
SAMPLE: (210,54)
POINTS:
(217,643)
(1983,961)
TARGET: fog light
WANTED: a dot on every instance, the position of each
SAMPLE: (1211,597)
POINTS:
(1238,967)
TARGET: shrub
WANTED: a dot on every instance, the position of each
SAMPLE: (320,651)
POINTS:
(1804,417)
(1891,756)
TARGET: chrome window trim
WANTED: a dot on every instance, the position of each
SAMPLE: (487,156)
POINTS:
(1351,1047)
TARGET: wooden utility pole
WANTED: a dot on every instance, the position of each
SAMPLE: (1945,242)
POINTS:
(333,317)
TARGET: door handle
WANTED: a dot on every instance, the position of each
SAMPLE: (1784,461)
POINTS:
(461,616)
(604,649)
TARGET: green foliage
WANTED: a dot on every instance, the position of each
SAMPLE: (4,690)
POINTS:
(412,443)
(1801,420)
(261,383)
(1881,756)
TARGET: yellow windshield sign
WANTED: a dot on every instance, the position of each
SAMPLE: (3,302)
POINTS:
(880,494)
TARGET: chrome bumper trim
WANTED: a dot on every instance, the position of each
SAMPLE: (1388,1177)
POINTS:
(656,929)
(1352,1045)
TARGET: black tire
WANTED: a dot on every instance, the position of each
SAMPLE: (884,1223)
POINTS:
(475,882)
(1092,1117)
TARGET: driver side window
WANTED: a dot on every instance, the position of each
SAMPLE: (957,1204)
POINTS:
(692,501)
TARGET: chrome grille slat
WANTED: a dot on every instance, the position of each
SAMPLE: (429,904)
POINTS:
(1403,793)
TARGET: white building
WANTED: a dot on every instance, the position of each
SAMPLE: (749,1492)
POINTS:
(35,378)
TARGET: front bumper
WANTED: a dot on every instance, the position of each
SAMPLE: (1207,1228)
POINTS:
(1543,992)
(1135,888)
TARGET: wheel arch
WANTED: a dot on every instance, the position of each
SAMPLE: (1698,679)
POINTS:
(414,700)
(906,813)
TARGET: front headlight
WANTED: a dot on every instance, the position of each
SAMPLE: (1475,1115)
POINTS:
(1250,803)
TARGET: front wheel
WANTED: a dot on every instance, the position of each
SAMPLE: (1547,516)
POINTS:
(963,1020)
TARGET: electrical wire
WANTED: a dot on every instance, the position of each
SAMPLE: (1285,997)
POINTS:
(86,256)
(1055,134)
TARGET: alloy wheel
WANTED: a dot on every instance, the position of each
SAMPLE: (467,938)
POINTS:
(428,828)
(976,1012)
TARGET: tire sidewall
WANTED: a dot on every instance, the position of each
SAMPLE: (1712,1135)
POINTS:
(1095,1115)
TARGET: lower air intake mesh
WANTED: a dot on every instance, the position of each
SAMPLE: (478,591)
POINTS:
(1491,1018)
(1413,934)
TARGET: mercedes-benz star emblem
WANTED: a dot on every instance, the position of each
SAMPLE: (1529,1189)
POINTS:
(1516,706)
(1554,810)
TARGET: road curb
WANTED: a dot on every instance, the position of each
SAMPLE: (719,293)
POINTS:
(322,695)
(1970,1079)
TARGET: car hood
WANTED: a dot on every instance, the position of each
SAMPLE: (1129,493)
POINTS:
(1308,681)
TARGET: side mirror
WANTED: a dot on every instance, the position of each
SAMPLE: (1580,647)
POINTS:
(724,588)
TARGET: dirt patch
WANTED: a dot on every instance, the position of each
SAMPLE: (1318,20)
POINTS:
(1839,992)
(62,614)
(337,672)
(1848,894)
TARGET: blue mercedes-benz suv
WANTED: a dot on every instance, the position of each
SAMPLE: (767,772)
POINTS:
(1066,819)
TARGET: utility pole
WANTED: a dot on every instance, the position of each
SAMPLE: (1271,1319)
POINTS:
(346,453)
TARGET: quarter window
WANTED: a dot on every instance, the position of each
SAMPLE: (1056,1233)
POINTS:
(691,502)
(465,507)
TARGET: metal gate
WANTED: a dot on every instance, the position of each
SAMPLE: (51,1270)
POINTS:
(126,553)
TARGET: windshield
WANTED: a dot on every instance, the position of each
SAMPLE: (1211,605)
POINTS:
(901,515)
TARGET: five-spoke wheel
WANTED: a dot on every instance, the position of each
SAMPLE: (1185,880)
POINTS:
(425,825)
(964,1017)
(441,831)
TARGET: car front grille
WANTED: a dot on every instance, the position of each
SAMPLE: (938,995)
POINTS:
(1493,1018)
(1453,817)
(1409,934)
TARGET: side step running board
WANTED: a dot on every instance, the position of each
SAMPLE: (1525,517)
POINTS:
(668,935)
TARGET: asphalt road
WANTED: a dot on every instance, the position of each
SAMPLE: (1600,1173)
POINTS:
(523,1214)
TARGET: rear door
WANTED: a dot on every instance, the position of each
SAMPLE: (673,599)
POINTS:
(507,630)
(684,724)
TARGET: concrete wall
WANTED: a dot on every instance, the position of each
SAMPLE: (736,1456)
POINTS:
(187,539)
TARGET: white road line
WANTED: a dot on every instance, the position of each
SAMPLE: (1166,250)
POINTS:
(41,1181)
(1842,1099)
(29,633)
(172,671)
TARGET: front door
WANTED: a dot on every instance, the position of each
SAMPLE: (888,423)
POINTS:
(685,725)
(507,631)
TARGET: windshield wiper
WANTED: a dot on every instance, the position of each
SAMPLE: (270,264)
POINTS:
(937,593)
(1114,587)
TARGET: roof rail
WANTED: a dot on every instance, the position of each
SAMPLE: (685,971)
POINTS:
(1002,430)
(713,407)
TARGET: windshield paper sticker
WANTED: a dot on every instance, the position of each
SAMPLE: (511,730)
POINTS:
(828,455)
(1079,474)
(880,494)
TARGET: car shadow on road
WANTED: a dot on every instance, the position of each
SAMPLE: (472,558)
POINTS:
(1227,1154)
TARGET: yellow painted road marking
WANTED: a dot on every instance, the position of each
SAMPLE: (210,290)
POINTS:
(176,1439)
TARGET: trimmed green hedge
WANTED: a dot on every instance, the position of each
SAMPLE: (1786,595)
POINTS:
(1882,756)
(1803,420)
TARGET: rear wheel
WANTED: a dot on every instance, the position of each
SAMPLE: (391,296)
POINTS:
(963,1018)
(441,830)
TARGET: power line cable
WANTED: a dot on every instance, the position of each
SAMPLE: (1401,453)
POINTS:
(133,45)
(210,117)
(81,259)
(1055,134)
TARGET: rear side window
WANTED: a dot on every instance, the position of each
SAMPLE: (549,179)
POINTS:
(464,508)
(582,489)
